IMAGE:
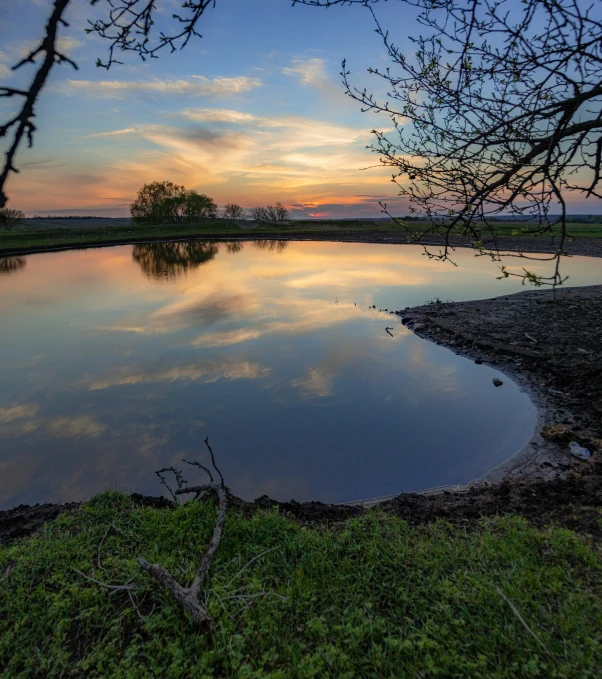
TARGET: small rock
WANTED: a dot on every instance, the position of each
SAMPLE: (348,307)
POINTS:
(478,361)
(497,382)
(578,451)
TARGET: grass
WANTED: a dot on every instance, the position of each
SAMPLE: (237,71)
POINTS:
(30,238)
(373,597)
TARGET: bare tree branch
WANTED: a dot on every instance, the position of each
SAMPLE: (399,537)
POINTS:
(188,597)
(128,26)
(21,125)
(498,112)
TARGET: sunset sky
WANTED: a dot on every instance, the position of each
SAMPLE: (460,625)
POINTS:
(253,112)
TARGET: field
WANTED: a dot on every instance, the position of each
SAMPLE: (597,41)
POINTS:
(48,234)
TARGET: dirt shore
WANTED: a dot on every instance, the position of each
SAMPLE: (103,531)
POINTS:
(552,346)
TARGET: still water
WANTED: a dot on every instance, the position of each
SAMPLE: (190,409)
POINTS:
(116,362)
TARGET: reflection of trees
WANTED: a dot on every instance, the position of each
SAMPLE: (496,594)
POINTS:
(9,265)
(272,245)
(234,246)
(169,261)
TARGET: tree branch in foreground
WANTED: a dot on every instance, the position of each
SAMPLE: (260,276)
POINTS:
(188,597)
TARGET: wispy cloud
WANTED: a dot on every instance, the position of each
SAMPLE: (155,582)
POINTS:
(310,72)
(75,427)
(315,384)
(196,85)
(17,412)
(207,372)
(296,131)
(218,115)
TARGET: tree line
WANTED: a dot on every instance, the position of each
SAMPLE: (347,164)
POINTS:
(169,203)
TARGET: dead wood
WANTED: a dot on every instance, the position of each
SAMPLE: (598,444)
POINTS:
(188,597)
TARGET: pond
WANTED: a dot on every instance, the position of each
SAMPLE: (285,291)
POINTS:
(115,362)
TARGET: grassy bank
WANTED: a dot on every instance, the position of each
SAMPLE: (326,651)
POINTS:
(28,238)
(372,597)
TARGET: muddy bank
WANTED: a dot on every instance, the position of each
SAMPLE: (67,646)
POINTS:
(551,347)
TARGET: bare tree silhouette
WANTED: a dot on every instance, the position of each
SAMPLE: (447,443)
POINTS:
(128,26)
(498,111)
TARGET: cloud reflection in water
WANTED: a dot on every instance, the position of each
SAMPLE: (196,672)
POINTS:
(272,351)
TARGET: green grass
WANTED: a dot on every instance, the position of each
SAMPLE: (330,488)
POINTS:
(29,239)
(373,597)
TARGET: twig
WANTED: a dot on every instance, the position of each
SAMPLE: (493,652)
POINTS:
(198,464)
(213,461)
(522,620)
(390,333)
(531,338)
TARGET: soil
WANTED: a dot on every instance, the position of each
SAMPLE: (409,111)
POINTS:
(551,344)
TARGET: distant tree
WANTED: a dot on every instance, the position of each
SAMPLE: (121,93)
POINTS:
(9,218)
(157,203)
(198,206)
(270,213)
(497,109)
(258,214)
(276,213)
(233,211)
(169,203)
(126,25)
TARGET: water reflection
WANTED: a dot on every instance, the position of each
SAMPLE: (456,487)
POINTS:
(271,245)
(275,352)
(10,265)
(169,261)
(234,246)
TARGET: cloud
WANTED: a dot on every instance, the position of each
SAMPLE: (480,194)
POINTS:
(67,43)
(308,71)
(282,132)
(75,427)
(217,115)
(116,133)
(17,412)
(303,316)
(196,85)
(215,307)
(315,384)
(210,371)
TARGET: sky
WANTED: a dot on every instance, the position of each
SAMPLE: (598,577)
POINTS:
(253,112)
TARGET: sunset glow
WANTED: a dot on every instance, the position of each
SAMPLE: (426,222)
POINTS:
(268,121)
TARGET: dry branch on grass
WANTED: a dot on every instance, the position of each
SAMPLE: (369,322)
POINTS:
(188,597)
